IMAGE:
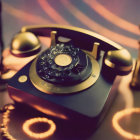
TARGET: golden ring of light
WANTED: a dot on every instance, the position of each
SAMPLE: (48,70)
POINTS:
(28,123)
(119,115)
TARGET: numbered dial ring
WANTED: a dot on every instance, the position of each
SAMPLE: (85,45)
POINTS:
(63,64)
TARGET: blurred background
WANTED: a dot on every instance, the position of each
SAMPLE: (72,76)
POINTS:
(117,20)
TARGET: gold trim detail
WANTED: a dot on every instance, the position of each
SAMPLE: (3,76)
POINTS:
(49,88)
(22,78)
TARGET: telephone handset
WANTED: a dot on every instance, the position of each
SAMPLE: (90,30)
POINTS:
(73,64)
(116,56)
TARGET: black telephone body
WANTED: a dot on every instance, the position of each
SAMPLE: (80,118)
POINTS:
(72,79)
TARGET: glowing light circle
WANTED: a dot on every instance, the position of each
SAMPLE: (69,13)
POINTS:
(49,132)
(119,129)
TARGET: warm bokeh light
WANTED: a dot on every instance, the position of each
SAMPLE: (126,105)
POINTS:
(50,112)
(8,74)
(16,98)
(5,120)
(28,123)
(118,116)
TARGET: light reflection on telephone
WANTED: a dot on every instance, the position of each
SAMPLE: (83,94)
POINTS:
(72,79)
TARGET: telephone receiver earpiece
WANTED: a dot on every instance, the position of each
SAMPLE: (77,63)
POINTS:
(116,58)
(119,61)
(25,44)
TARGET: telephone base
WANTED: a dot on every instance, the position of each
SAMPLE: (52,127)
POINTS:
(88,106)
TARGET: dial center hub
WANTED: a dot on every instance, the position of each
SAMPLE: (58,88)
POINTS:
(63,59)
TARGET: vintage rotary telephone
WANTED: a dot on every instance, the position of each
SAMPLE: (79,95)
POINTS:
(72,79)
